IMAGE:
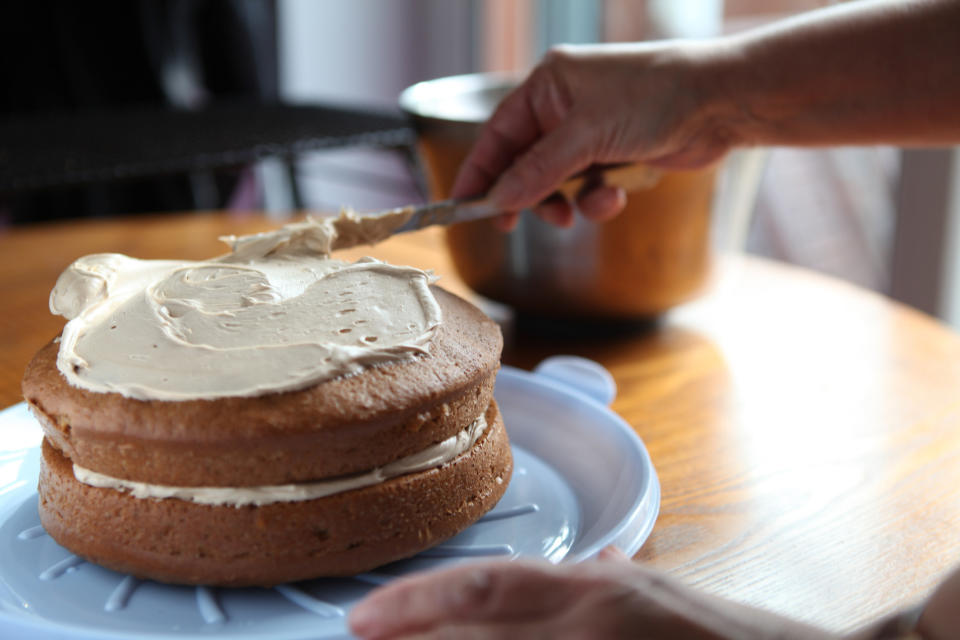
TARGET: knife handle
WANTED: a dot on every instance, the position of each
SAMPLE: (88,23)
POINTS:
(627,176)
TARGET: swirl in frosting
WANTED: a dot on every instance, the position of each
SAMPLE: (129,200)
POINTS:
(275,314)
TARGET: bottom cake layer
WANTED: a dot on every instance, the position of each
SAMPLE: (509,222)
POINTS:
(177,541)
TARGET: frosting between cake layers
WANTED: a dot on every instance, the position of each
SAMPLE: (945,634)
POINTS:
(275,314)
(433,456)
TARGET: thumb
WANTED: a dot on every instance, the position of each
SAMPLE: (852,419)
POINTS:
(538,172)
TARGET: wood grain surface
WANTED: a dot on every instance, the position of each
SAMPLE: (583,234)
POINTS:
(806,433)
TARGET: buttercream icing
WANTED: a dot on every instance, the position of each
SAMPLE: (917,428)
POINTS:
(433,456)
(274,314)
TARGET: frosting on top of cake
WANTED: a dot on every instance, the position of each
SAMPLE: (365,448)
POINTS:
(275,314)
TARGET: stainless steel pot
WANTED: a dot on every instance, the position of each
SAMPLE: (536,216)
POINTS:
(655,255)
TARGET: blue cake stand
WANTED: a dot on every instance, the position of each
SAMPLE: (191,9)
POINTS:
(582,480)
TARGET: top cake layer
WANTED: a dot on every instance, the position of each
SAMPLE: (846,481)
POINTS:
(344,425)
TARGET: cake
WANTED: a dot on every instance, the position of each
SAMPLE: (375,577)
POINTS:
(267,416)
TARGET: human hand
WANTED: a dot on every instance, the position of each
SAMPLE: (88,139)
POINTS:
(941,614)
(597,104)
(608,598)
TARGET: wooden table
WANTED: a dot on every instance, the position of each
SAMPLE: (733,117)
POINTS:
(806,433)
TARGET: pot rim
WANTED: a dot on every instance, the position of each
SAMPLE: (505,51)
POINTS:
(426,100)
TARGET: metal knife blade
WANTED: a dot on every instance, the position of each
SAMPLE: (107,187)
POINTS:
(447,212)
(353,230)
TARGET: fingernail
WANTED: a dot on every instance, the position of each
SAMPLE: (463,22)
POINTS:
(363,619)
(611,553)
(473,591)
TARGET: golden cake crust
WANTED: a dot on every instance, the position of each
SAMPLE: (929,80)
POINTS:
(178,541)
(338,427)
